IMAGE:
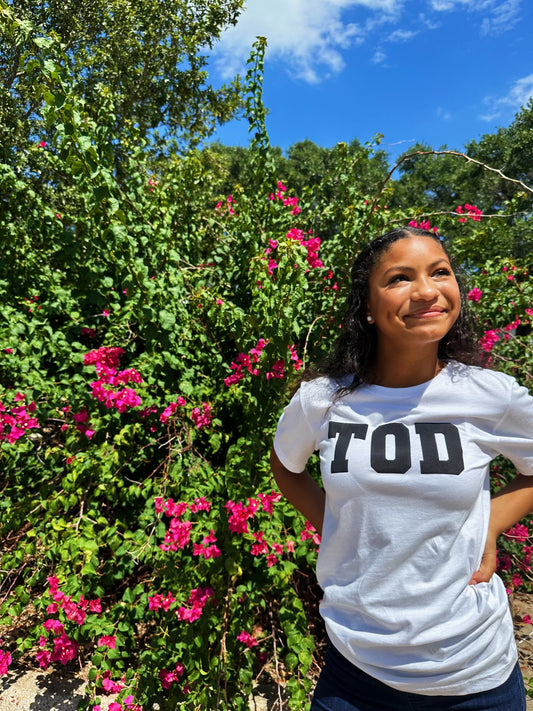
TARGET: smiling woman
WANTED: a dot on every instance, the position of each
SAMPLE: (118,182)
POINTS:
(406,423)
(413,302)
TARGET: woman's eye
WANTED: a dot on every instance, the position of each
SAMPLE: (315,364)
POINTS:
(397,277)
(443,272)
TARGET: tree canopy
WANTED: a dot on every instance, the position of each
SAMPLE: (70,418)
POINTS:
(147,55)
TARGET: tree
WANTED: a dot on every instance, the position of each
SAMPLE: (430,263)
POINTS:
(147,55)
(440,182)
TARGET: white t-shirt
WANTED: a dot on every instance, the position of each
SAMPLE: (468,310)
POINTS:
(407,509)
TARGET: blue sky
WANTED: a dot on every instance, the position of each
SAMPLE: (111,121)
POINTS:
(436,71)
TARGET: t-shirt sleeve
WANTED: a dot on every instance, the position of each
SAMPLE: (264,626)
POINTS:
(514,432)
(295,440)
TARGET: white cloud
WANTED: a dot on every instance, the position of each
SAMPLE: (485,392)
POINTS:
(499,16)
(443,114)
(503,17)
(517,96)
(443,5)
(401,35)
(311,37)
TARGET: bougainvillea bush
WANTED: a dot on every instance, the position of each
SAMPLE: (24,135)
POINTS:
(151,331)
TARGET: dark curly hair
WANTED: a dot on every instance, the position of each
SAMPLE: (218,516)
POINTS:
(354,351)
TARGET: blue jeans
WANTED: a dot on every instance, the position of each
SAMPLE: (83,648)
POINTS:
(344,687)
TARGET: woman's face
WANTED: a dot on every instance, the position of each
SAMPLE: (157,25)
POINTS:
(414,297)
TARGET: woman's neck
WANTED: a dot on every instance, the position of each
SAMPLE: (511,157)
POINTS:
(401,370)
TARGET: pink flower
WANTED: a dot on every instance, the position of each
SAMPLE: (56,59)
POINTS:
(178,535)
(105,356)
(200,504)
(107,641)
(268,500)
(206,551)
(277,370)
(294,357)
(54,626)
(471,211)
(154,602)
(423,226)
(488,340)
(5,661)
(105,313)
(519,532)
(43,658)
(110,686)
(310,532)
(526,619)
(202,418)
(167,601)
(89,332)
(197,599)
(65,650)
(169,411)
(474,295)
(53,582)
(167,678)
(238,519)
(95,606)
(247,639)
(260,548)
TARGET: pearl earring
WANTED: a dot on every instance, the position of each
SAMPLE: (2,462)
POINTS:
(369,318)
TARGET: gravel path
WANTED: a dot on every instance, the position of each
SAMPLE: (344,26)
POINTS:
(38,690)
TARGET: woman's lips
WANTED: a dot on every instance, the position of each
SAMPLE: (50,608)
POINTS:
(427,313)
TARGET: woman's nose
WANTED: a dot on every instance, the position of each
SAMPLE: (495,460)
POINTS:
(424,288)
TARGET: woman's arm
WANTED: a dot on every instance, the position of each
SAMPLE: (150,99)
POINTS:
(508,506)
(301,490)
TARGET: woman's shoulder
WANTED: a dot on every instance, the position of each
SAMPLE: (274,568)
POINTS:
(492,381)
(320,392)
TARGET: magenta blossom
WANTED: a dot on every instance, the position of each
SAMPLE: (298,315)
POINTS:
(474,294)
(5,661)
(247,639)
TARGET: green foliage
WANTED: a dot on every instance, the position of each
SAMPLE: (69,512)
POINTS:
(147,55)
(494,173)
(129,467)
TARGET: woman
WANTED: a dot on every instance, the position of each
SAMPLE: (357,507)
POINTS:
(406,423)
